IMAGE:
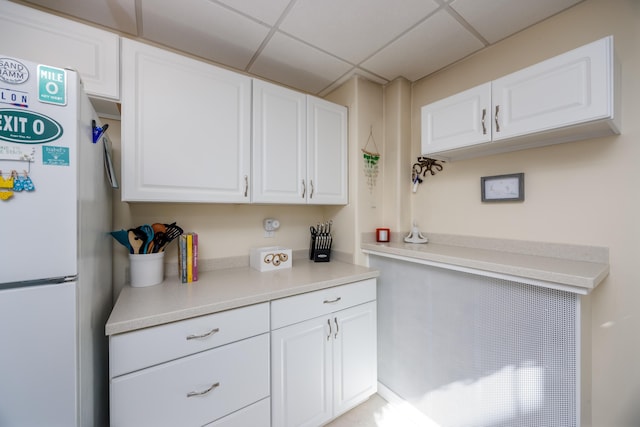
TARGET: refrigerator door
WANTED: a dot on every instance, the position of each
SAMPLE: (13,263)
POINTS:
(39,227)
(38,358)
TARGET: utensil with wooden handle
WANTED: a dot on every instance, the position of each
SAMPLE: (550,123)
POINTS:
(137,239)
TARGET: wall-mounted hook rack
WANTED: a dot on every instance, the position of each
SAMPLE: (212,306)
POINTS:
(424,165)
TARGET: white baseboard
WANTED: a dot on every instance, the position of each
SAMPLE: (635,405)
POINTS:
(413,417)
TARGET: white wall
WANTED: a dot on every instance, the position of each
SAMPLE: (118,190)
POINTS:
(581,192)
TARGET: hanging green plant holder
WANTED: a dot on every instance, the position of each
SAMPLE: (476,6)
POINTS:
(371,160)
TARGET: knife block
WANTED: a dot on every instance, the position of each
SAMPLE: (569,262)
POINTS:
(320,248)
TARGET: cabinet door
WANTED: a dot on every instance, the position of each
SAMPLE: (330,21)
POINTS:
(49,39)
(326,152)
(569,89)
(354,356)
(301,374)
(185,128)
(457,121)
(279,145)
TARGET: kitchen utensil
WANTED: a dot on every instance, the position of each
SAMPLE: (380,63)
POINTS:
(148,231)
(173,231)
(122,237)
(157,227)
(159,230)
(164,238)
(156,243)
(136,240)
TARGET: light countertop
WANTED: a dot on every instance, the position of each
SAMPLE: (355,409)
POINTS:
(224,289)
(573,266)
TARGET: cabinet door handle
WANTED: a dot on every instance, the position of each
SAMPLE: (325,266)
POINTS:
(202,393)
(497,124)
(205,335)
(330,332)
(311,193)
(246,185)
(332,301)
(484,127)
(335,320)
(304,189)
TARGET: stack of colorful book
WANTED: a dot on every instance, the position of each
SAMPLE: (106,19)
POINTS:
(188,257)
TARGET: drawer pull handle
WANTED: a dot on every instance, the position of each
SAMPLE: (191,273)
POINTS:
(497,123)
(208,334)
(335,319)
(327,301)
(329,323)
(202,393)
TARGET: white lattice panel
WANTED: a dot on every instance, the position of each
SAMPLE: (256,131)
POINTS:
(474,351)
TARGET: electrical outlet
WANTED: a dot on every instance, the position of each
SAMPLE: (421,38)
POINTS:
(269,234)
(271,224)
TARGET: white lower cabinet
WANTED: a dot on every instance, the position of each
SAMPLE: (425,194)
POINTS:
(224,375)
(325,365)
(256,415)
(296,361)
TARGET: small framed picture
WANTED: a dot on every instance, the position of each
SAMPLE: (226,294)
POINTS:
(382,234)
(502,188)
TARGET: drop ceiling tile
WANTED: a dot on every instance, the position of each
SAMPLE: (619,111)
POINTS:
(432,45)
(266,11)
(354,29)
(117,14)
(497,19)
(213,31)
(295,64)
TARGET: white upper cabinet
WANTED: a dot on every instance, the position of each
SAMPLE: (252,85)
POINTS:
(279,144)
(186,129)
(457,121)
(573,88)
(49,39)
(327,161)
(299,148)
(566,98)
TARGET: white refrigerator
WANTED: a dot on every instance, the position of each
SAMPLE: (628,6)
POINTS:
(55,251)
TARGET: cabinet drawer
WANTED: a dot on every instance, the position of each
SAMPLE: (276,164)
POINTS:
(159,396)
(139,349)
(256,415)
(298,308)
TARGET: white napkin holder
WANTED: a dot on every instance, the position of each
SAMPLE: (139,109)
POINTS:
(270,258)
